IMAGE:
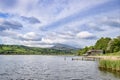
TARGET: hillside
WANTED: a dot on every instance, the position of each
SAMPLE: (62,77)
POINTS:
(63,47)
(20,49)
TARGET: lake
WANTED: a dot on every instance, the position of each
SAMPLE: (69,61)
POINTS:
(39,67)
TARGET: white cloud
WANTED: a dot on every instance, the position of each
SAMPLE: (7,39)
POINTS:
(31,36)
(53,40)
(85,35)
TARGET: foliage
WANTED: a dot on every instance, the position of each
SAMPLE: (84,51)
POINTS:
(84,50)
(21,50)
(114,45)
(108,45)
(102,44)
(111,54)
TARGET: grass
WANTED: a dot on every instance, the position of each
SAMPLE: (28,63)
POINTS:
(109,54)
(109,61)
(113,65)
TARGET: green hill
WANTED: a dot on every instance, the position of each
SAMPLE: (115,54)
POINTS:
(24,50)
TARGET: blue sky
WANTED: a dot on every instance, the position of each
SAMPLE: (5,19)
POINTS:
(43,23)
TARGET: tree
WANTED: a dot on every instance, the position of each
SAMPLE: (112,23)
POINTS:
(102,43)
(84,50)
(114,45)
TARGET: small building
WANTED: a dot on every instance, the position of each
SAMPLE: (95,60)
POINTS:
(93,52)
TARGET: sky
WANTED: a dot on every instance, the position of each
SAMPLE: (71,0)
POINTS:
(44,23)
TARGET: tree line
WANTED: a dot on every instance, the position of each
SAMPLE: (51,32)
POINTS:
(21,50)
(108,45)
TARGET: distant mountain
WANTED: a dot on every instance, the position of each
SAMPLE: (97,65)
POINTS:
(63,47)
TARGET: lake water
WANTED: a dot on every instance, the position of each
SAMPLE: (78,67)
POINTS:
(38,67)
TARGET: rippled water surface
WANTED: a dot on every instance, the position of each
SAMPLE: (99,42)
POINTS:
(38,67)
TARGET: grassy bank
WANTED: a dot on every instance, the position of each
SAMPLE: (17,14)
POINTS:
(112,54)
(108,56)
(109,61)
(113,65)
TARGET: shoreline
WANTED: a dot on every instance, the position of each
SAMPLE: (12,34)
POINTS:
(108,62)
(105,57)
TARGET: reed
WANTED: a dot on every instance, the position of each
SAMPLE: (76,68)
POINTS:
(113,65)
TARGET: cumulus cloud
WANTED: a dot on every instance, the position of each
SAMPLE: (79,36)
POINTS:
(53,40)
(36,44)
(30,36)
(31,20)
(6,25)
(85,35)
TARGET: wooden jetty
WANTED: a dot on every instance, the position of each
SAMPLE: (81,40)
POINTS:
(87,58)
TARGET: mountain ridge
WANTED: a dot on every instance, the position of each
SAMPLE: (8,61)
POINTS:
(63,47)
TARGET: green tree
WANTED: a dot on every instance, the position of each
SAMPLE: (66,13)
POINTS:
(114,45)
(84,50)
(102,43)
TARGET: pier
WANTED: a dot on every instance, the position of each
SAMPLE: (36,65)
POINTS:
(87,58)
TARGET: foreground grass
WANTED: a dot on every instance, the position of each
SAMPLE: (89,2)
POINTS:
(109,61)
(112,54)
(113,65)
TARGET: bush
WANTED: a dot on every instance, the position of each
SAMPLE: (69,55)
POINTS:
(110,64)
